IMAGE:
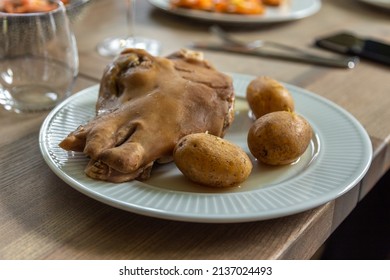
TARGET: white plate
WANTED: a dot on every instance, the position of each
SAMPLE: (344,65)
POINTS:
(338,157)
(378,3)
(289,10)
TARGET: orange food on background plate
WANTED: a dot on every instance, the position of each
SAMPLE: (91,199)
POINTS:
(272,2)
(245,7)
(27,6)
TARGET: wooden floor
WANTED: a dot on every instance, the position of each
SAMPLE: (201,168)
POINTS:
(365,234)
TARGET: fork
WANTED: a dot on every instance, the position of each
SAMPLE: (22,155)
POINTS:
(226,37)
(290,53)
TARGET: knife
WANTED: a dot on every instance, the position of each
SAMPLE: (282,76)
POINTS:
(340,62)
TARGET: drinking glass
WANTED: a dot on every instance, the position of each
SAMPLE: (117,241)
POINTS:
(112,46)
(38,59)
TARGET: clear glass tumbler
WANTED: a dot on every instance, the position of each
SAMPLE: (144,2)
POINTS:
(38,59)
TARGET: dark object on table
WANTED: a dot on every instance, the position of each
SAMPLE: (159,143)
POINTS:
(350,44)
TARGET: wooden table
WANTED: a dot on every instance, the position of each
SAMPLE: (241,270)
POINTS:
(41,217)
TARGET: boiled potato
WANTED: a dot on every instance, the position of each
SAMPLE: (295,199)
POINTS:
(211,160)
(266,95)
(279,137)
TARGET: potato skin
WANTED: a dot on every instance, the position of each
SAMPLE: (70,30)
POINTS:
(266,95)
(279,138)
(211,160)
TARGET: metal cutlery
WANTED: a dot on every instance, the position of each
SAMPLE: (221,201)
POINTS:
(281,51)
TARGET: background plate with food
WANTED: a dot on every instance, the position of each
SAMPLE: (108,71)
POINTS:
(287,11)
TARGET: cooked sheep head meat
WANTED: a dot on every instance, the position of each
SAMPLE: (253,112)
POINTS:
(145,105)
